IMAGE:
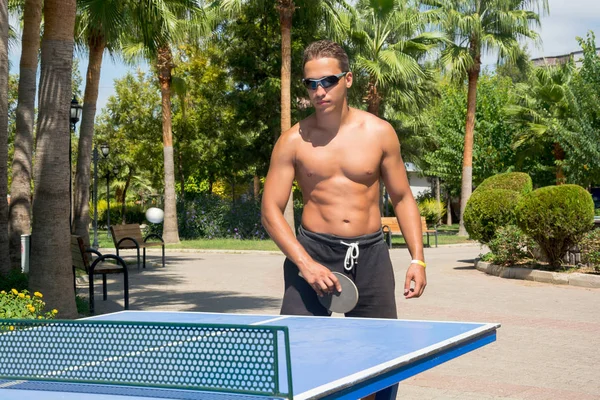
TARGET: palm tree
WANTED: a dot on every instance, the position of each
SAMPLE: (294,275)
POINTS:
(99,27)
(4,258)
(286,10)
(474,28)
(541,110)
(20,189)
(390,40)
(51,272)
(160,25)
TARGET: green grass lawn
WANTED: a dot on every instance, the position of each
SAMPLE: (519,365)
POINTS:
(445,236)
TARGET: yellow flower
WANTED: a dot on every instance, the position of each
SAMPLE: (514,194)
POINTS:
(3,292)
(28,296)
(31,308)
(40,317)
(21,295)
(15,291)
(11,328)
(55,311)
(38,294)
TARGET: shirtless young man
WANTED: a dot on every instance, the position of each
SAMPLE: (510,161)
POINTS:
(338,155)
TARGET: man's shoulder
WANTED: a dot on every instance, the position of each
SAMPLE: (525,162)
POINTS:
(372,123)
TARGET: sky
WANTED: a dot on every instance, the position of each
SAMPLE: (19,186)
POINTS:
(567,19)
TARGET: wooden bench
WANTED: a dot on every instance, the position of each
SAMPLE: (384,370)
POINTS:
(82,260)
(129,236)
(390,227)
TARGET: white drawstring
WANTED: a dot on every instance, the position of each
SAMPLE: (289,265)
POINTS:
(351,255)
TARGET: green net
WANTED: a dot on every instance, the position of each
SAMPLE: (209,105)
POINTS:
(230,358)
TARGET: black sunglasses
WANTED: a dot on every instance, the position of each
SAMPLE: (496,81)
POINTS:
(325,82)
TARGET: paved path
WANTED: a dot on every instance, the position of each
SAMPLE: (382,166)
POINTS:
(548,346)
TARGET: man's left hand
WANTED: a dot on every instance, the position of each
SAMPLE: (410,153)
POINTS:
(416,274)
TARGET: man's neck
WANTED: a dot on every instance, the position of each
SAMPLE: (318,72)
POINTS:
(332,122)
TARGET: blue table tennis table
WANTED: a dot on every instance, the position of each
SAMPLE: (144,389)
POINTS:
(146,355)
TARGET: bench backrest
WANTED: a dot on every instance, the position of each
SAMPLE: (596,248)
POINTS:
(392,223)
(129,230)
(80,257)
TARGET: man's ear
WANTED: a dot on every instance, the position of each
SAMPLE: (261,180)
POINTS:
(349,79)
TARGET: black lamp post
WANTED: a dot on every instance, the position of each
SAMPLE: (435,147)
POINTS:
(104,149)
(74,117)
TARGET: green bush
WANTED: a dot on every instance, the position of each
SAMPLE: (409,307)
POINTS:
(516,181)
(510,245)
(134,213)
(14,279)
(432,210)
(16,304)
(556,217)
(589,245)
(488,210)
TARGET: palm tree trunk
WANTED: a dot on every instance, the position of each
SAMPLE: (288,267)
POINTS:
(373,99)
(51,271)
(256,187)
(81,201)
(373,102)
(286,11)
(4,255)
(165,66)
(467,167)
(20,189)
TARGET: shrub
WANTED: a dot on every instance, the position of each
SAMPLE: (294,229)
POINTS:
(516,181)
(14,279)
(16,304)
(488,210)
(510,245)
(556,217)
(134,213)
(589,245)
(432,210)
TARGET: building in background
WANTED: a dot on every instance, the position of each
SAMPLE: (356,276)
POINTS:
(577,56)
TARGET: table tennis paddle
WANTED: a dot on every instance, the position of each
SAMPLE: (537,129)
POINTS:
(344,301)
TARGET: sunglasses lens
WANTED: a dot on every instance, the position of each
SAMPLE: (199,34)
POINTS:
(326,82)
(329,81)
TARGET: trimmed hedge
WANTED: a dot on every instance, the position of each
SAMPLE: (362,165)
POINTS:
(488,210)
(556,217)
(517,181)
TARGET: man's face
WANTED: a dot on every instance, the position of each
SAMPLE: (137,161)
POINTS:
(332,97)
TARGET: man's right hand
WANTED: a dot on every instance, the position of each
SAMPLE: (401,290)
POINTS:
(320,278)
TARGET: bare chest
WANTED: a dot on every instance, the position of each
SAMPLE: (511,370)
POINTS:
(355,159)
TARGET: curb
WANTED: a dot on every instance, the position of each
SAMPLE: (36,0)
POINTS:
(556,278)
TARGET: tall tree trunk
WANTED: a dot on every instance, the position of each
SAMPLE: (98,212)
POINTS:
(165,66)
(373,99)
(256,187)
(4,252)
(449,209)
(81,203)
(373,102)
(286,11)
(124,196)
(467,167)
(51,272)
(20,189)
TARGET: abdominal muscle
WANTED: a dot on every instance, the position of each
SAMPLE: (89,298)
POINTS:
(341,207)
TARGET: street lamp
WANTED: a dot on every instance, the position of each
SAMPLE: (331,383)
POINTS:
(105,150)
(74,117)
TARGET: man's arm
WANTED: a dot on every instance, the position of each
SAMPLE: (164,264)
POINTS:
(278,186)
(405,206)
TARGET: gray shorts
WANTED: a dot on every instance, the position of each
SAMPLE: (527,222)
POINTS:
(371,272)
